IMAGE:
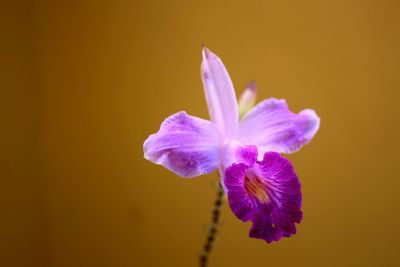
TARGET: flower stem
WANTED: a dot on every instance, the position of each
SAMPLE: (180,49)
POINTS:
(212,233)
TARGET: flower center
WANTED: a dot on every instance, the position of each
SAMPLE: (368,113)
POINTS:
(256,188)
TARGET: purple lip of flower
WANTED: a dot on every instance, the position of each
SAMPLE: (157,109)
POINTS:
(190,146)
(266,193)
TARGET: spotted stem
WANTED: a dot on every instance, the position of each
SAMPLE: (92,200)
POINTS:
(213,230)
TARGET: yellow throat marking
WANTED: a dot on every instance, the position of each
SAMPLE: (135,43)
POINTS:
(256,188)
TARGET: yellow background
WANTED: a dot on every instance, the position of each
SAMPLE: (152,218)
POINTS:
(83,83)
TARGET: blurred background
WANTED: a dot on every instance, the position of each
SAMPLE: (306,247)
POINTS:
(83,83)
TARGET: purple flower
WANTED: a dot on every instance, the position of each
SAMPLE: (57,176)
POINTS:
(266,193)
(244,143)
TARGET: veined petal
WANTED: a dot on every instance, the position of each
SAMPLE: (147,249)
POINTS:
(233,152)
(271,126)
(220,94)
(187,145)
(239,201)
(268,193)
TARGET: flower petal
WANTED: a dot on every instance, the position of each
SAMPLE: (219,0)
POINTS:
(239,201)
(220,94)
(247,99)
(271,126)
(187,145)
(267,193)
(234,152)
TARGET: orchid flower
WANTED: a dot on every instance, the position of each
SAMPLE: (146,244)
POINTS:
(260,184)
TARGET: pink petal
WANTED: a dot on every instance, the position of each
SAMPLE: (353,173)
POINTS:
(271,126)
(187,145)
(220,94)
